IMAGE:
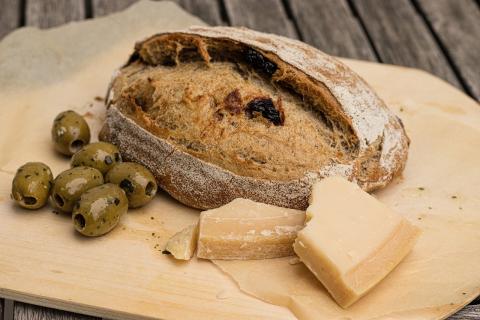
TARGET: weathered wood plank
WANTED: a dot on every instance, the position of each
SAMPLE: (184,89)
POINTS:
(104,7)
(207,10)
(9,16)
(8,306)
(50,13)
(457,26)
(400,36)
(471,312)
(331,27)
(266,15)
(25,311)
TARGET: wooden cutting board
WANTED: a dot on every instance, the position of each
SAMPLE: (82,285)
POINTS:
(124,275)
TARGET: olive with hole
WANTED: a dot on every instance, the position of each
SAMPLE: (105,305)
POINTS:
(69,185)
(31,185)
(137,181)
(99,210)
(99,155)
(70,132)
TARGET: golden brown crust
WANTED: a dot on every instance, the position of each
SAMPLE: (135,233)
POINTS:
(382,144)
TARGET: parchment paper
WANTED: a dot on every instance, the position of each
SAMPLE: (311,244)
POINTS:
(44,72)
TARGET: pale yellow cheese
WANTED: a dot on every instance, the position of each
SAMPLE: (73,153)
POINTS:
(351,241)
(183,244)
(244,229)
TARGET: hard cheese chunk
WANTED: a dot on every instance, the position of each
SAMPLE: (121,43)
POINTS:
(244,229)
(183,244)
(352,241)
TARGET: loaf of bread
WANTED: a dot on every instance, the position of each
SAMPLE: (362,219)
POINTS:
(218,113)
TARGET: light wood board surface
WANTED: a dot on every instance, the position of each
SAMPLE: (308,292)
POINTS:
(124,274)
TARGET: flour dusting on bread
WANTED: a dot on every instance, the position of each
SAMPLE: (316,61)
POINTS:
(213,126)
(355,96)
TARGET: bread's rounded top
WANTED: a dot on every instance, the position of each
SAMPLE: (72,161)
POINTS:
(366,110)
(376,141)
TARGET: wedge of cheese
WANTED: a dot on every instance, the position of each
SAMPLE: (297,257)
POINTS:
(351,241)
(244,229)
(182,244)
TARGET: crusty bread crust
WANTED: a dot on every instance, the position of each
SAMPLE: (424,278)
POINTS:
(382,141)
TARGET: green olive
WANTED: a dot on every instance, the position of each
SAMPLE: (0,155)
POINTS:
(70,132)
(136,180)
(31,185)
(69,185)
(99,210)
(99,155)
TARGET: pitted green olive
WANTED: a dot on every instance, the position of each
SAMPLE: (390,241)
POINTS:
(69,185)
(99,210)
(137,181)
(99,155)
(70,132)
(31,185)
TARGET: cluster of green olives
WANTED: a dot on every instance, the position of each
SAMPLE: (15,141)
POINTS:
(98,188)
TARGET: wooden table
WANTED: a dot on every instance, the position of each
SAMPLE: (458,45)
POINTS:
(439,36)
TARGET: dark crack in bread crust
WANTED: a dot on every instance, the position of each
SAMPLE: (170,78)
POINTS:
(220,113)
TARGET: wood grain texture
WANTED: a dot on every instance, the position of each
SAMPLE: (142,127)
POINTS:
(331,27)
(104,7)
(457,26)
(9,16)
(267,16)
(401,37)
(471,312)
(207,10)
(50,13)
(8,306)
(23,311)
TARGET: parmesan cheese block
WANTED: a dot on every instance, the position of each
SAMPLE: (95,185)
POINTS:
(351,241)
(182,245)
(244,229)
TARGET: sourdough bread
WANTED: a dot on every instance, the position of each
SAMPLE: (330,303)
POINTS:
(219,113)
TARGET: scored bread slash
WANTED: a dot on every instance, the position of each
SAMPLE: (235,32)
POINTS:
(244,229)
(218,113)
(182,245)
